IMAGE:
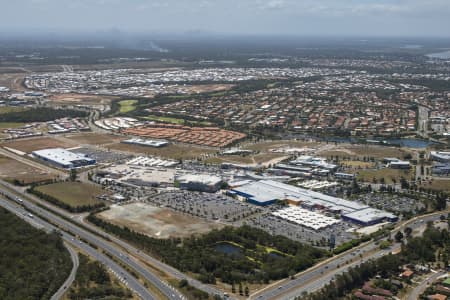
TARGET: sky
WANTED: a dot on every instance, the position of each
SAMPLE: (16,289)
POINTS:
(421,18)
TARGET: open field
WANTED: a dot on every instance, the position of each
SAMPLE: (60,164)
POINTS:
(94,138)
(389,175)
(73,194)
(262,158)
(12,81)
(33,144)
(174,151)
(378,152)
(156,222)
(6,125)
(8,109)
(266,146)
(437,184)
(12,170)
(79,99)
(127,106)
(175,120)
(356,164)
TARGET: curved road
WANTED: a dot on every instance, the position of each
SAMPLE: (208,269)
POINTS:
(319,275)
(131,282)
(130,249)
(112,250)
(76,262)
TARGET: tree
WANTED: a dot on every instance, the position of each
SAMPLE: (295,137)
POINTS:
(398,237)
(73,174)
(408,231)
(241,291)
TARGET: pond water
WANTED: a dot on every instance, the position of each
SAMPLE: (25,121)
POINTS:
(228,248)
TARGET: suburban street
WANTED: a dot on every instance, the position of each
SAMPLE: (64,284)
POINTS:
(418,290)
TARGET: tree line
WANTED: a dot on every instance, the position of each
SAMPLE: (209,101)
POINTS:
(432,247)
(252,263)
(41,114)
(33,263)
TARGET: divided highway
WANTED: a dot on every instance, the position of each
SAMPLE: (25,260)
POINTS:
(131,250)
(318,276)
(112,250)
(131,282)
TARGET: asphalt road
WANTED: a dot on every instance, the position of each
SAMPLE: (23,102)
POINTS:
(131,250)
(73,273)
(131,282)
(321,274)
(418,290)
(112,250)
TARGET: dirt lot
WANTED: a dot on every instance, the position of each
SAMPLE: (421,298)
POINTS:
(156,222)
(76,99)
(11,170)
(33,144)
(437,184)
(12,81)
(94,138)
(262,158)
(266,146)
(73,193)
(173,151)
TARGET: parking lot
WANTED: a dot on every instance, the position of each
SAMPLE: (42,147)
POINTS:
(392,202)
(278,226)
(101,156)
(206,205)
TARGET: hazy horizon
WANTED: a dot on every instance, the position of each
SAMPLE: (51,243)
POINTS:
(350,18)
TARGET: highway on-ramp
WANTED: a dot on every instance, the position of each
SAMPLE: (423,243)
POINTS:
(109,248)
(132,283)
(132,251)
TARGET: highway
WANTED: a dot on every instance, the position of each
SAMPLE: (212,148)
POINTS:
(318,276)
(307,281)
(132,251)
(73,273)
(132,283)
(111,249)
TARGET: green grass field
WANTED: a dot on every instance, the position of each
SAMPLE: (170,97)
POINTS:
(74,194)
(5,125)
(127,106)
(389,175)
(176,120)
(9,109)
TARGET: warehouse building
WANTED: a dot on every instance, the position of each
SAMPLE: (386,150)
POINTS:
(440,156)
(267,192)
(146,143)
(369,216)
(63,158)
(199,182)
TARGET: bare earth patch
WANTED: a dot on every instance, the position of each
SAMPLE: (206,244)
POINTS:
(157,222)
(34,144)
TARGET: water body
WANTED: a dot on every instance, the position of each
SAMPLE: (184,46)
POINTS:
(228,248)
(440,55)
